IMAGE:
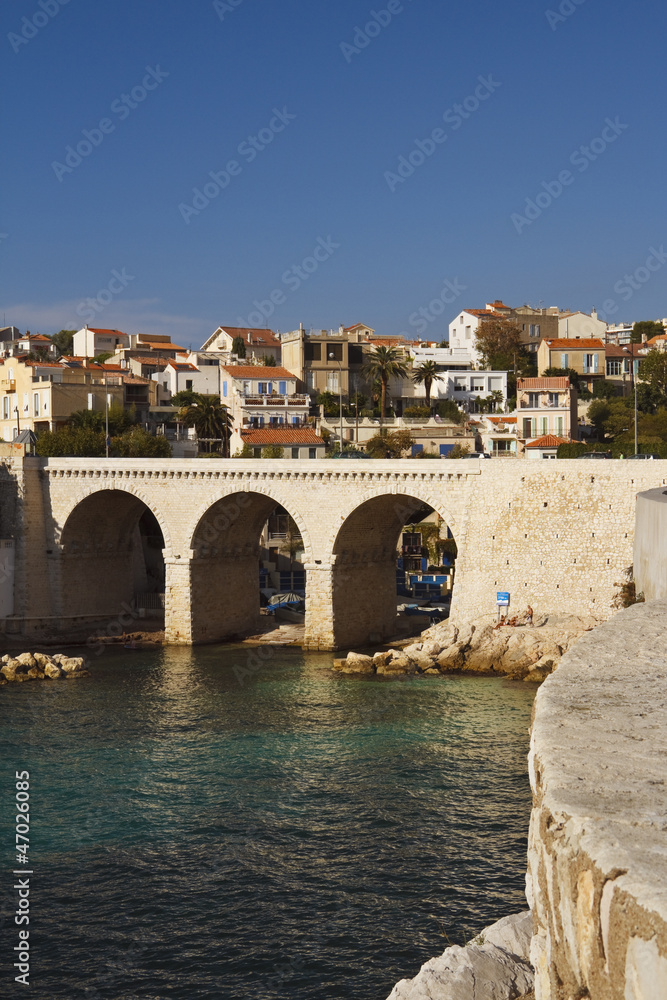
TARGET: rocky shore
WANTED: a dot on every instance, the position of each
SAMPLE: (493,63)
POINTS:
(41,667)
(521,652)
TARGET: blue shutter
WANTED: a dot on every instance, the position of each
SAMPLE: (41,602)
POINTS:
(446,448)
(270,388)
(282,388)
(416,448)
(224,388)
(295,420)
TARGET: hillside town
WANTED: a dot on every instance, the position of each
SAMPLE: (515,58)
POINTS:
(507,382)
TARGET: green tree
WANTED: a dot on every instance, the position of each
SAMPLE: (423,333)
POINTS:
(269,361)
(653,371)
(426,374)
(184,398)
(382,364)
(459,450)
(273,451)
(63,341)
(604,390)
(138,443)
(238,347)
(101,358)
(649,328)
(390,445)
(210,419)
(499,344)
(245,452)
(570,373)
(448,410)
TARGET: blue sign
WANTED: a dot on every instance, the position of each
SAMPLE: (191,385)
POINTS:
(502,599)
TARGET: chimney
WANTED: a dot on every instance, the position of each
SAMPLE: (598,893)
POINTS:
(594,313)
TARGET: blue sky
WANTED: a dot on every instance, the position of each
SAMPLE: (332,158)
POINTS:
(334,110)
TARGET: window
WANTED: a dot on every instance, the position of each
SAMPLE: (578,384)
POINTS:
(355,354)
(614,367)
(310,380)
(261,388)
(590,364)
(256,452)
(336,350)
(332,381)
(533,400)
(564,361)
(554,398)
(528,427)
(533,348)
(312,453)
(560,426)
(295,452)
(165,385)
(461,318)
(282,388)
(544,426)
(459,385)
(468,334)
(35,404)
(312,352)
(534,330)
(224,388)
(5,407)
(477,385)
(91,400)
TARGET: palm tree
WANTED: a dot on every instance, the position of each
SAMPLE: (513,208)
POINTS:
(383,363)
(210,418)
(427,373)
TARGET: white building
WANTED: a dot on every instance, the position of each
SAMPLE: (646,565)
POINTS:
(580,325)
(259,344)
(179,375)
(465,387)
(446,357)
(261,396)
(546,408)
(91,341)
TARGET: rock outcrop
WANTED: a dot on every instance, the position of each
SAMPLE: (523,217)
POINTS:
(494,966)
(521,653)
(40,667)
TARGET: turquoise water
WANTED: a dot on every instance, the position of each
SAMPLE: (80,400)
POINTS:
(220,822)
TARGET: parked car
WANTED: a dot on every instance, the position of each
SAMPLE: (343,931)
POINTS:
(476,454)
(642,456)
(595,454)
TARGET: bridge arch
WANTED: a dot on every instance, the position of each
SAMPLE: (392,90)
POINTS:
(364,563)
(225,554)
(111,550)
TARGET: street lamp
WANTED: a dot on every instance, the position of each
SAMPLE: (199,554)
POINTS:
(332,357)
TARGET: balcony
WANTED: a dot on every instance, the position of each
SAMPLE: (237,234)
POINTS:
(274,400)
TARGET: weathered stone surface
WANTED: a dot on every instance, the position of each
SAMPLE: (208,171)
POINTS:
(27,659)
(358,663)
(597,863)
(495,966)
(399,663)
(53,671)
(36,673)
(382,658)
(71,664)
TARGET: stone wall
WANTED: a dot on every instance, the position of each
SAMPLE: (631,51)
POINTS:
(597,880)
(556,534)
(650,548)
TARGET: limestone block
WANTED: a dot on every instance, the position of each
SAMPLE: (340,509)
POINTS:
(413,647)
(451,659)
(36,673)
(358,663)
(399,664)
(421,660)
(71,665)
(27,659)
(432,647)
(495,966)
(382,658)
(53,671)
(645,970)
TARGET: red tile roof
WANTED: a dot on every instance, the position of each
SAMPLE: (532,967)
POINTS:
(118,333)
(260,337)
(548,441)
(284,434)
(616,351)
(182,366)
(502,420)
(574,344)
(555,382)
(257,371)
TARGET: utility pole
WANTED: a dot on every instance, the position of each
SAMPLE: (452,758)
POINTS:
(635,410)
(106,415)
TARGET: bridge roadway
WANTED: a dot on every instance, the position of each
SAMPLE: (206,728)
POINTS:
(556,534)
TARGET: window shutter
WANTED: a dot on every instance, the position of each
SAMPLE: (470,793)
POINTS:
(282,388)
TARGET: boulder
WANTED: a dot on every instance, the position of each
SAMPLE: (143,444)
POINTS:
(494,965)
(414,647)
(338,663)
(74,675)
(450,659)
(432,647)
(382,658)
(399,664)
(357,663)
(41,659)
(26,658)
(71,665)
(53,671)
(422,661)
(432,670)
(36,673)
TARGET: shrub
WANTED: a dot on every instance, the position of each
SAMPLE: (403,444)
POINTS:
(417,411)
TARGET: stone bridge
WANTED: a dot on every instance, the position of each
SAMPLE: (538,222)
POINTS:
(556,534)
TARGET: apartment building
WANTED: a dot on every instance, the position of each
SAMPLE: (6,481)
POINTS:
(534,325)
(545,406)
(260,397)
(259,344)
(327,361)
(586,356)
